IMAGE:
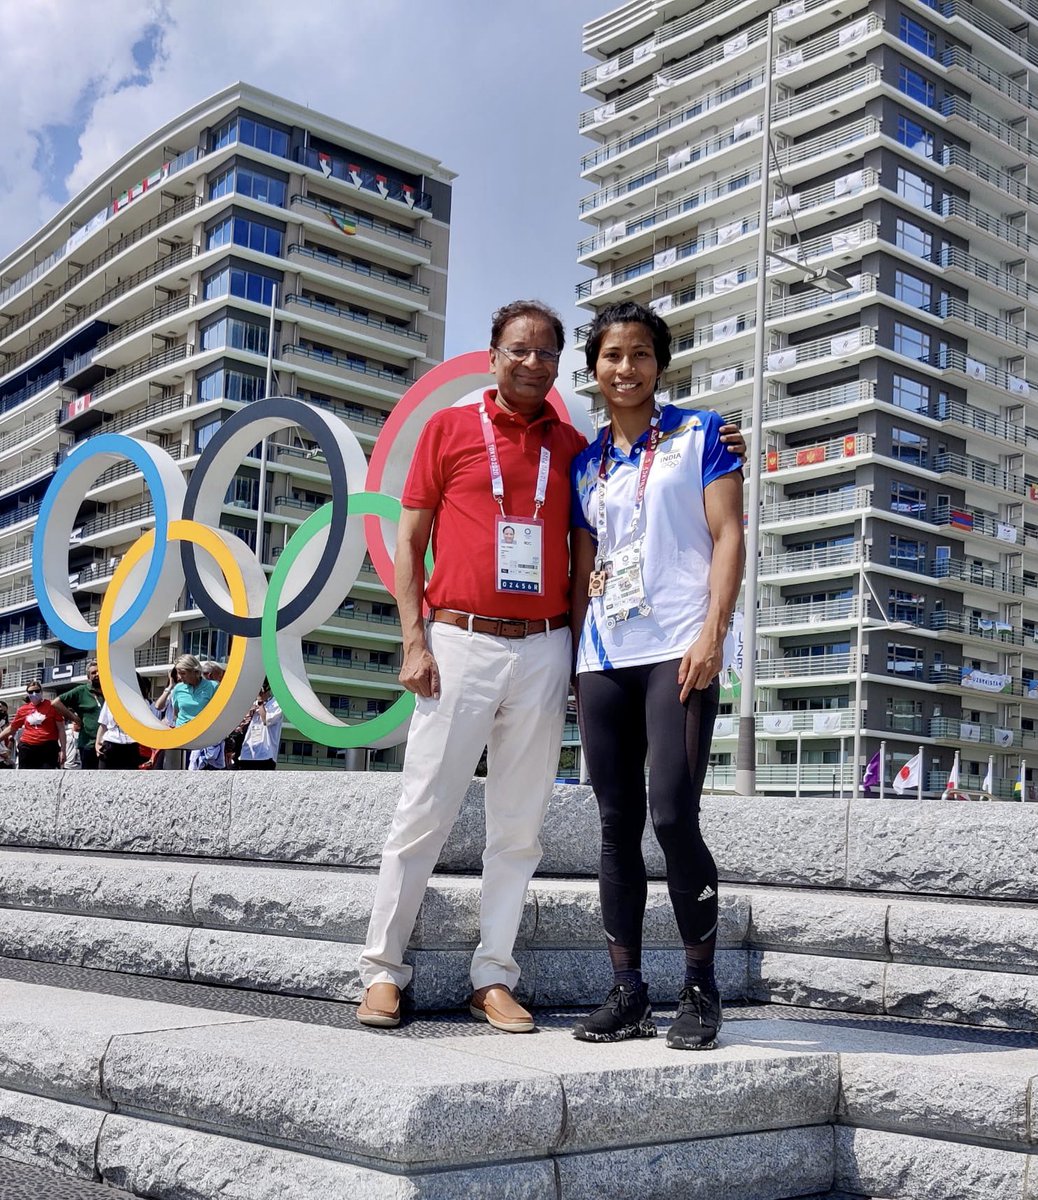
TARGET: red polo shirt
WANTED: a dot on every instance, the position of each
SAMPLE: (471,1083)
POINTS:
(451,475)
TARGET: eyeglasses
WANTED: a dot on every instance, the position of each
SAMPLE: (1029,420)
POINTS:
(518,354)
(35,692)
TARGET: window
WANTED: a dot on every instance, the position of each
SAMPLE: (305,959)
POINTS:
(913,238)
(914,188)
(911,342)
(909,447)
(910,394)
(904,661)
(908,500)
(240,281)
(916,137)
(236,333)
(251,133)
(910,289)
(249,181)
(817,650)
(904,716)
(245,231)
(916,86)
(243,492)
(246,533)
(907,554)
(916,35)
(905,606)
(224,384)
(204,433)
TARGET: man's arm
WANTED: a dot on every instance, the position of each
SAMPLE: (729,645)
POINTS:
(418,673)
(704,658)
(62,709)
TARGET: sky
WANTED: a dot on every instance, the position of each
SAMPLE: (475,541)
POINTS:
(491,90)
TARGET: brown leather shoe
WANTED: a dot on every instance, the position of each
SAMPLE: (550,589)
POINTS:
(380,1006)
(496,1004)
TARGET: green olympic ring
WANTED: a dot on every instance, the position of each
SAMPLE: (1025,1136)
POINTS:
(335,733)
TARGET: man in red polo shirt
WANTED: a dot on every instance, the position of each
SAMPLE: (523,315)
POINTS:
(490,485)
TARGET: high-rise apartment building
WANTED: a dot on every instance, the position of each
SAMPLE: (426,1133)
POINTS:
(143,307)
(898,573)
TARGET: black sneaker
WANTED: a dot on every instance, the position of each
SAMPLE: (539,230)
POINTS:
(698,1020)
(625,1014)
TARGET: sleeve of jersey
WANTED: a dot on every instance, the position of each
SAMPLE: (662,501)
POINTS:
(718,460)
(424,484)
(578,476)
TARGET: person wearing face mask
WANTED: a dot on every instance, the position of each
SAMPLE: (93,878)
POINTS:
(83,705)
(42,745)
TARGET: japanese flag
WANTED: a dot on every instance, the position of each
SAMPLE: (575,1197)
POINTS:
(953,777)
(908,777)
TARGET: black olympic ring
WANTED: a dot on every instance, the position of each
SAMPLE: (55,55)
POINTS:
(234,439)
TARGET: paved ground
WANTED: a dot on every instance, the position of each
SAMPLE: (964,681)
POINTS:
(26,1183)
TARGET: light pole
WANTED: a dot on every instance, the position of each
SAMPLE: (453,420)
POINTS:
(828,281)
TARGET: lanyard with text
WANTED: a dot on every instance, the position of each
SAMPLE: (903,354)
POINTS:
(617,580)
(519,541)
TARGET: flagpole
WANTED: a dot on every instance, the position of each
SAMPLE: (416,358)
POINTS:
(919,777)
(261,499)
(800,748)
(882,770)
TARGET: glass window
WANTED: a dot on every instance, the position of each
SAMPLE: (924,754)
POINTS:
(916,137)
(909,447)
(911,290)
(243,492)
(205,431)
(910,394)
(240,281)
(914,188)
(245,231)
(905,606)
(916,35)
(915,85)
(911,342)
(263,137)
(907,554)
(908,500)
(906,661)
(913,238)
(249,181)
(224,384)
(236,333)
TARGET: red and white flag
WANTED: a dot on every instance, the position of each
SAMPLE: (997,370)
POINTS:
(908,777)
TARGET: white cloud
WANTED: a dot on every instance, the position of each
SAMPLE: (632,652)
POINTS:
(490,90)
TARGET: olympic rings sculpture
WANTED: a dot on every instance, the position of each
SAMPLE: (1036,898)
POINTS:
(265,620)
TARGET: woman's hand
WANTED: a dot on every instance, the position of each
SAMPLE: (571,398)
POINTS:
(700,666)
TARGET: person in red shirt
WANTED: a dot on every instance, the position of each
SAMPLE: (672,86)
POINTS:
(42,744)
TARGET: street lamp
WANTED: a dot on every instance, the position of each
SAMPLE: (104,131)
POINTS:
(828,281)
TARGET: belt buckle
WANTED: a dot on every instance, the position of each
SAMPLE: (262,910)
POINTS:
(517,629)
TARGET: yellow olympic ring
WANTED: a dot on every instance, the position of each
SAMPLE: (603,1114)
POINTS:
(157,736)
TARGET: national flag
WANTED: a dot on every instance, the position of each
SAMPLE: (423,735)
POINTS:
(953,777)
(344,223)
(960,519)
(908,777)
(989,781)
(1019,786)
(872,769)
(324,161)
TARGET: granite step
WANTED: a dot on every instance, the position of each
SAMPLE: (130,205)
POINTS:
(298,929)
(168,1100)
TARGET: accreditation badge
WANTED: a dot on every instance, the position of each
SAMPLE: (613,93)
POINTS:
(623,591)
(519,543)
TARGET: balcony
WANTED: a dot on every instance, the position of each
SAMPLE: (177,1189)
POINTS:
(973,168)
(827,52)
(962,10)
(364,221)
(650,130)
(975,219)
(808,667)
(21,514)
(143,366)
(829,612)
(357,274)
(790,411)
(848,241)
(840,504)
(784,312)
(961,732)
(800,361)
(38,427)
(975,521)
(976,575)
(801,158)
(619,26)
(413,343)
(105,523)
(958,58)
(838,98)
(828,722)
(983,629)
(826,453)
(969,318)
(972,269)
(722,380)
(956,108)
(372,182)
(37,468)
(842,559)
(625,68)
(977,470)
(348,369)
(122,333)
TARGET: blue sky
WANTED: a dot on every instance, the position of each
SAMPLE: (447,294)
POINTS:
(490,90)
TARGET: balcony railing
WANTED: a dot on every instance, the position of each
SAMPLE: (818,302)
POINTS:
(952,206)
(948,307)
(977,574)
(845,609)
(849,446)
(957,56)
(365,177)
(975,520)
(956,106)
(134,515)
(159,313)
(143,366)
(813,299)
(978,268)
(978,471)
(24,512)
(844,500)
(804,666)
(839,38)
(983,629)
(838,242)
(324,355)
(946,728)
(845,394)
(828,143)
(846,85)
(730,185)
(955,156)
(994,29)
(839,345)
(43,465)
(976,418)
(656,128)
(364,269)
(362,220)
(794,562)
(38,425)
(138,416)
(347,314)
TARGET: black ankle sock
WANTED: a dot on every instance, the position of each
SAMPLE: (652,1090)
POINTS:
(629,978)
(700,974)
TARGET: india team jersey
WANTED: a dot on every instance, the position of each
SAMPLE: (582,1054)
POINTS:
(675,539)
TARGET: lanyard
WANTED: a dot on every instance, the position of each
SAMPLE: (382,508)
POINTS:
(643,479)
(497,483)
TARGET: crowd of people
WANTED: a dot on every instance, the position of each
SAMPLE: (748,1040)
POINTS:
(77,730)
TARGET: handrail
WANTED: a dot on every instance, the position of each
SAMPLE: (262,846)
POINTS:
(362,219)
(158,313)
(143,366)
(338,360)
(957,56)
(845,499)
(952,257)
(347,314)
(357,268)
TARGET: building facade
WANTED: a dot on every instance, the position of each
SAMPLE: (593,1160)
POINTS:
(898,572)
(143,307)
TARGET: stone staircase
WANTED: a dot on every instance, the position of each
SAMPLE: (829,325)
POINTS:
(174,954)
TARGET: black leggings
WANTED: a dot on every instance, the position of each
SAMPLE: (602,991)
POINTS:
(121,756)
(626,713)
(41,756)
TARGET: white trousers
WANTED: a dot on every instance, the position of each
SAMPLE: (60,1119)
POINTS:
(510,696)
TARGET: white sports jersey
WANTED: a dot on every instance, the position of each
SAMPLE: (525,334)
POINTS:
(677,546)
